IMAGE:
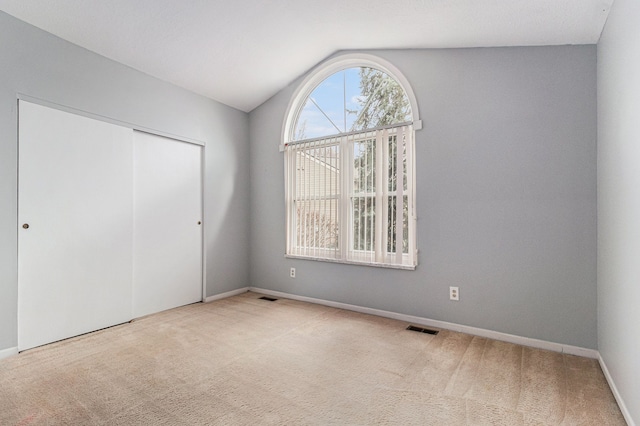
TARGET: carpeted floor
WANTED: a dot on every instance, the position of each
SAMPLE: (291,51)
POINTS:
(245,361)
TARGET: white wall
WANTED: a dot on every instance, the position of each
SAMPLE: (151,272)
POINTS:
(619,201)
(506,196)
(40,65)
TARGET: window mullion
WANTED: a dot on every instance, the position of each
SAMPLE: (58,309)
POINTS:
(335,206)
(314,204)
(307,188)
(345,230)
(367,179)
(399,195)
(323,202)
(380,191)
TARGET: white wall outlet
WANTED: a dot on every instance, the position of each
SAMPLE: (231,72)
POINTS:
(292,272)
(454,293)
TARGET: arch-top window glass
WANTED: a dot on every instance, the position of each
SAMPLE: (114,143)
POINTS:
(357,98)
(349,165)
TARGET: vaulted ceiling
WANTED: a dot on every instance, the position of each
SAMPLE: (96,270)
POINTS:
(241,52)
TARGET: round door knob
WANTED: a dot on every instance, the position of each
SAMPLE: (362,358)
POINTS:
(25,226)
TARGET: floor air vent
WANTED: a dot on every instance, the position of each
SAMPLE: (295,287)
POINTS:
(422,330)
(270,299)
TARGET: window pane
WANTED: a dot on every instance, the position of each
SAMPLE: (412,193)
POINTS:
(316,196)
(364,220)
(354,99)
(404,165)
(382,101)
(317,224)
(364,166)
(317,172)
(405,225)
(391,225)
(391,221)
(392,162)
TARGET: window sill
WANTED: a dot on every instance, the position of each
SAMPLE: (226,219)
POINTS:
(353,262)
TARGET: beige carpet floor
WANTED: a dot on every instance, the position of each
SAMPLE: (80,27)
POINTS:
(245,361)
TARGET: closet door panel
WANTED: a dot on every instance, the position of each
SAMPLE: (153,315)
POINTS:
(75,225)
(167,223)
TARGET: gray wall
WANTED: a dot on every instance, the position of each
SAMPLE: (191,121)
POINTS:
(506,196)
(619,200)
(40,65)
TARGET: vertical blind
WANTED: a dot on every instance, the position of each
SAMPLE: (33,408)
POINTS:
(350,197)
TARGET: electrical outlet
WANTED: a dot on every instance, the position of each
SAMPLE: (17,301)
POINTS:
(454,293)
(292,272)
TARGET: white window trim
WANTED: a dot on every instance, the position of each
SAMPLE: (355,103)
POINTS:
(319,74)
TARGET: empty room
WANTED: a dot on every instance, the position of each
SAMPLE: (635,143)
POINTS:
(409,212)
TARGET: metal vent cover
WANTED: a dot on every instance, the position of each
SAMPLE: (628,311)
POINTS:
(422,330)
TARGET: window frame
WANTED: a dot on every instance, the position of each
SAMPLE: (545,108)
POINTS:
(345,238)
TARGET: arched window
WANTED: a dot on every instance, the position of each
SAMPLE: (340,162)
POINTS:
(348,140)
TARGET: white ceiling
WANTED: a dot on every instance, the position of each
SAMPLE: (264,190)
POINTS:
(241,52)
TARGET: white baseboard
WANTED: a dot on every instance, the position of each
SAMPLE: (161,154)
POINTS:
(496,335)
(616,394)
(6,353)
(227,294)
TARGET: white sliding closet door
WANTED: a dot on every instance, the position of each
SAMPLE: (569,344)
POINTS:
(167,224)
(75,225)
